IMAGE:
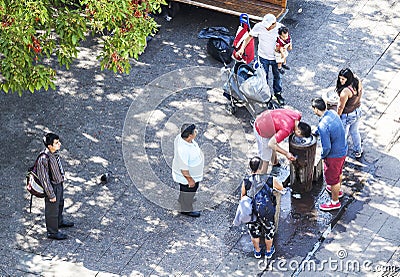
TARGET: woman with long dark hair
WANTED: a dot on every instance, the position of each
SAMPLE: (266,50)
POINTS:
(349,89)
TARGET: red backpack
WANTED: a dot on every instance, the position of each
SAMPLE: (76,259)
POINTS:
(244,28)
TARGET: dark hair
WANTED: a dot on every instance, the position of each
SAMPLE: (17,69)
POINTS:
(255,163)
(283,30)
(305,129)
(319,104)
(351,80)
(49,139)
(187,130)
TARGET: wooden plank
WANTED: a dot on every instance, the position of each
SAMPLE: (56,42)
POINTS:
(256,9)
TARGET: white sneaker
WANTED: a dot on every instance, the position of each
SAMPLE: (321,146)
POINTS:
(330,206)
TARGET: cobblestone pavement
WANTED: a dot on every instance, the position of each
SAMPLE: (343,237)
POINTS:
(125,125)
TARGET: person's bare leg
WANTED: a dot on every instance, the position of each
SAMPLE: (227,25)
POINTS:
(264,167)
(256,244)
(274,158)
(268,244)
(335,192)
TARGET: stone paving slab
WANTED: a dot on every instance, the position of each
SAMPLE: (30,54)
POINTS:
(45,266)
(395,259)
(236,265)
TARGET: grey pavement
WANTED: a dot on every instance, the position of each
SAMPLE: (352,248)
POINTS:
(125,125)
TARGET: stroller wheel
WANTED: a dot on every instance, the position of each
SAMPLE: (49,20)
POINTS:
(273,105)
(230,109)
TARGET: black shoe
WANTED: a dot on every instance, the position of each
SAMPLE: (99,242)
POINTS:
(57,236)
(281,71)
(192,214)
(227,95)
(280,99)
(66,224)
(285,67)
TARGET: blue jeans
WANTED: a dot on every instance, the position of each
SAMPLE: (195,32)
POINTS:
(350,123)
(277,81)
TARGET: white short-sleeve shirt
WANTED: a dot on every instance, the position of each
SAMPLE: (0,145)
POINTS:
(187,156)
(266,40)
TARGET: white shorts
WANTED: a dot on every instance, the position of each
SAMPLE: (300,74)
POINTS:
(264,151)
(278,56)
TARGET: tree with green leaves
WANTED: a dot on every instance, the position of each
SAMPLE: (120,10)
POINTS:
(35,33)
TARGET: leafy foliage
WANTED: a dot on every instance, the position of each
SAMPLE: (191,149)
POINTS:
(34,33)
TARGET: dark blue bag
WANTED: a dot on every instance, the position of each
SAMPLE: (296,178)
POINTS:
(264,201)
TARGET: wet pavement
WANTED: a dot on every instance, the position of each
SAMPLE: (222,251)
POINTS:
(125,125)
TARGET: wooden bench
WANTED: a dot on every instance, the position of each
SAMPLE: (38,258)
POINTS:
(256,9)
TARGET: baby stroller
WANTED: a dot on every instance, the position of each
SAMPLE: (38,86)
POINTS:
(246,85)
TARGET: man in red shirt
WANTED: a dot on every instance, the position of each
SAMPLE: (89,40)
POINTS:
(273,126)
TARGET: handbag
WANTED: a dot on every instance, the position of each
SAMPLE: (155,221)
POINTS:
(244,211)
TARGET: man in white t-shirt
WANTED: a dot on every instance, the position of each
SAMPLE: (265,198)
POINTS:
(187,167)
(267,31)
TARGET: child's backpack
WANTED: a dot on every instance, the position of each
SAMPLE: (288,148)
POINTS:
(244,28)
(264,201)
(33,184)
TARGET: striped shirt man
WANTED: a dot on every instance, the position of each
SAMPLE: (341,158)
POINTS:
(50,171)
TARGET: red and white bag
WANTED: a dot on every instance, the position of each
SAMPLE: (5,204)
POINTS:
(241,34)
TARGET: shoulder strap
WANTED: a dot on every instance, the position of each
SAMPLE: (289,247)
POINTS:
(270,181)
(247,183)
(353,92)
(37,159)
(42,154)
(254,187)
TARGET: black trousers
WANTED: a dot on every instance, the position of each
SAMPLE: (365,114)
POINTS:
(186,197)
(53,211)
